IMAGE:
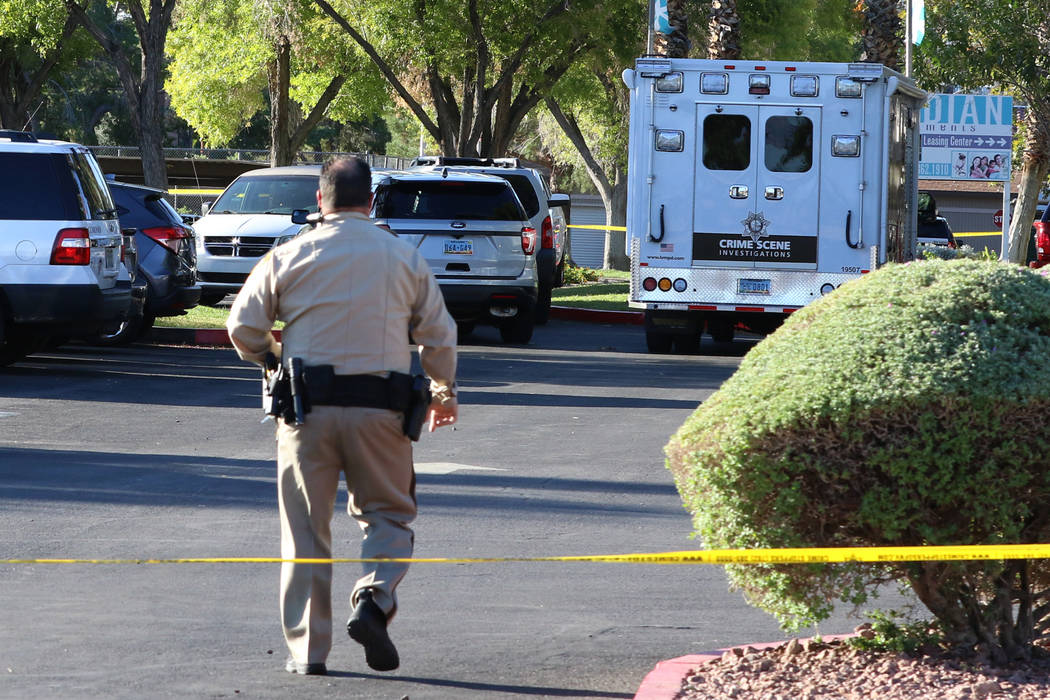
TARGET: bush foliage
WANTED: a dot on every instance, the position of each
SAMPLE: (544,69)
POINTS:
(909,407)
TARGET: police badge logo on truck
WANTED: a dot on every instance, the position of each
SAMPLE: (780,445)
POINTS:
(754,244)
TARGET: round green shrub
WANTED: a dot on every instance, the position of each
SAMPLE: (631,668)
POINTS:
(909,407)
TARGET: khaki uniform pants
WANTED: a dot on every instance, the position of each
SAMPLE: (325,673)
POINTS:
(368,447)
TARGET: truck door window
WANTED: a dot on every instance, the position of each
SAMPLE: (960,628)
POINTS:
(789,144)
(727,142)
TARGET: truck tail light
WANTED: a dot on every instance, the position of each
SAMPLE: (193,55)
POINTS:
(547,233)
(167,236)
(1042,241)
(72,247)
(528,240)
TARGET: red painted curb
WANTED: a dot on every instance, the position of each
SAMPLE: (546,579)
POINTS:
(665,680)
(573,314)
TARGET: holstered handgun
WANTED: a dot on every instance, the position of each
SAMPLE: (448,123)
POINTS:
(284,393)
(418,405)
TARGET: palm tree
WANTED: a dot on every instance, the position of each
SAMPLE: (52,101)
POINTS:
(882,32)
(676,44)
(723,30)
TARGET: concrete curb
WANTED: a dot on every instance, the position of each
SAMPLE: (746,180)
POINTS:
(217,337)
(665,680)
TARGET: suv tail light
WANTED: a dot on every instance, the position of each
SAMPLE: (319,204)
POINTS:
(547,234)
(72,247)
(167,236)
(528,240)
(1042,242)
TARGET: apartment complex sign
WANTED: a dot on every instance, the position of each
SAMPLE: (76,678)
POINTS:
(966,137)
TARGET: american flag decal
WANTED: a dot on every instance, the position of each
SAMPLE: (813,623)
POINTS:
(667,247)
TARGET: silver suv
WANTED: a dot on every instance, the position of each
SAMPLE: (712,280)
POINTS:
(475,235)
(547,213)
(61,272)
(247,220)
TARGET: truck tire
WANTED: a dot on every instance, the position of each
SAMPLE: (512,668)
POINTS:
(658,343)
(519,330)
(721,331)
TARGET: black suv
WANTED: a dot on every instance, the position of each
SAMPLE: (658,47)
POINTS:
(166,259)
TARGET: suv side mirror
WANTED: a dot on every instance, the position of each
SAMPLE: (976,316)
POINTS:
(205,208)
(299,216)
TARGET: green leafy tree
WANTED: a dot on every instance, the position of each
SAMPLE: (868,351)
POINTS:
(30,50)
(232,59)
(143,85)
(471,71)
(974,44)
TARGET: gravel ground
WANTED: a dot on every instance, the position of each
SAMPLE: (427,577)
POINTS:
(813,670)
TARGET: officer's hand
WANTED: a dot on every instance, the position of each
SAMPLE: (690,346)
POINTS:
(439,414)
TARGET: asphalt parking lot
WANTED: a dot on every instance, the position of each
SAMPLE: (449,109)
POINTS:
(158,452)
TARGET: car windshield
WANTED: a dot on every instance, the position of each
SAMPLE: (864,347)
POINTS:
(268,195)
(448,199)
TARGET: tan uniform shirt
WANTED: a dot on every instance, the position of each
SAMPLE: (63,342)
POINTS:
(352,296)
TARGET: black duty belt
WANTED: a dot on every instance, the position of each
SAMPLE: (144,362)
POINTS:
(326,388)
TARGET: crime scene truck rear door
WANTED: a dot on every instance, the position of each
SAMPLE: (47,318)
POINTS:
(757,186)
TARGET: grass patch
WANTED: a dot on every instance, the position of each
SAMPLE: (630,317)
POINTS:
(604,296)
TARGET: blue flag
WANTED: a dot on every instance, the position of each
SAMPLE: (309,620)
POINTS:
(661,22)
(917,21)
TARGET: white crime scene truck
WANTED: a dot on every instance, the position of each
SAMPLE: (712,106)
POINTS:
(755,187)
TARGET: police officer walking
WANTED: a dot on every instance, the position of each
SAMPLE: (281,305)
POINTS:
(351,296)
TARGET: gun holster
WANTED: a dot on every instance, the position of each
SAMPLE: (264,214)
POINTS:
(418,405)
(280,398)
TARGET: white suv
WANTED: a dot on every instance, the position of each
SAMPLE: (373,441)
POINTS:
(246,222)
(61,272)
(547,213)
(473,232)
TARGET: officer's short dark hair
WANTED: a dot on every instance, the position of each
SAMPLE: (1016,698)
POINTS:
(345,182)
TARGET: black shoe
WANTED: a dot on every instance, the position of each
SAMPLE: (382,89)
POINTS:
(316,669)
(367,627)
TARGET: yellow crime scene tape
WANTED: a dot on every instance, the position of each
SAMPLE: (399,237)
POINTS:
(179,190)
(808,555)
(598,228)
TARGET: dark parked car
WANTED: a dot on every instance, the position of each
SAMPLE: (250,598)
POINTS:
(933,228)
(166,258)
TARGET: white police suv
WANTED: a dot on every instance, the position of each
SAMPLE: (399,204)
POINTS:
(60,245)
(474,233)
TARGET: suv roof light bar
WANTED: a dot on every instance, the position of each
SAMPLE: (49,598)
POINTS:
(453,161)
(18,136)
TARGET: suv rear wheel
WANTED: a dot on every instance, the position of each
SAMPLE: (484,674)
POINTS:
(519,329)
(15,346)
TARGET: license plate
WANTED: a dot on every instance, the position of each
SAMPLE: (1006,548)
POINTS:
(753,286)
(459,247)
(111,258)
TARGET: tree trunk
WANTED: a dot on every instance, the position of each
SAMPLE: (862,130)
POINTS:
(723,29)
(882,33)
(279,78)
(1034,169)
(615,256)
(147,102)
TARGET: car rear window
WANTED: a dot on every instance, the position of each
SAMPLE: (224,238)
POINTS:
(143,208)
(525,191)
(37,187)
(268,195)
(463,201)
